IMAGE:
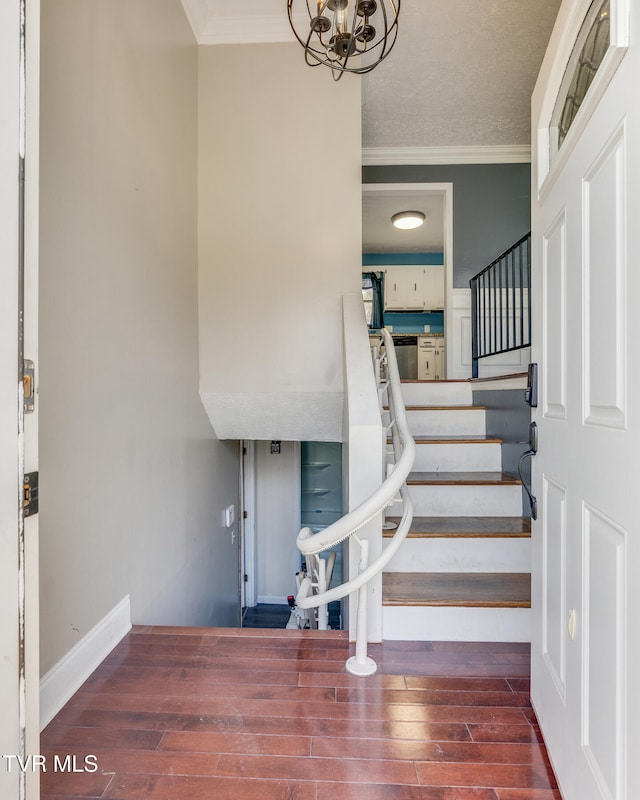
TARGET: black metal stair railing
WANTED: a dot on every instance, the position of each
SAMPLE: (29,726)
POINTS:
(500,304)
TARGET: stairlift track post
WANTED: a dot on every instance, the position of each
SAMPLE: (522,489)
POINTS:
(361,664)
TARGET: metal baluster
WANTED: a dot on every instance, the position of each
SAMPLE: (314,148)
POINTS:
(513,323)
(528,249)
(485,313)
(500,285)
(521,297)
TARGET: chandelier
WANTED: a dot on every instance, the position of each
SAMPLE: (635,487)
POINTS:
(347,36)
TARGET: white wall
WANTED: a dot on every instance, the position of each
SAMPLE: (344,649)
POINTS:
(133,480)
(280,239)
(277,520)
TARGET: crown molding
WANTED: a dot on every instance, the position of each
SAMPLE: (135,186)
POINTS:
(255,29)
(196,11)
(211,24)
(419,156)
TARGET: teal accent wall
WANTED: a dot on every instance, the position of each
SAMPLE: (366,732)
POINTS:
(402,260)
(414,321)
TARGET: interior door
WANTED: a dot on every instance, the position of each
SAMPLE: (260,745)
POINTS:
(586,291)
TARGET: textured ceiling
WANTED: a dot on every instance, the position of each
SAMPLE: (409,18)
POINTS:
(461,73)
(460,76)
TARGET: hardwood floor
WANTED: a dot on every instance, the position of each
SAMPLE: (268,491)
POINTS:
(223,714)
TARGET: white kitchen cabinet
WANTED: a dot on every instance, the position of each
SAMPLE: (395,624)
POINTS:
(404,288)
(431,360)
(433,288)
(413,288)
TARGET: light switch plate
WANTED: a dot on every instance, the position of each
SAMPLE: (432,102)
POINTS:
(229,516)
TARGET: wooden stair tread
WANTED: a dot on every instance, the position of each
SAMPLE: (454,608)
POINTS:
(459,589)
(456,439)
(465,527)
(507,377)
(453,380)
(462,479)
(445,408)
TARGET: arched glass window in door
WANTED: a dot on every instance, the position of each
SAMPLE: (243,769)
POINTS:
(587,55)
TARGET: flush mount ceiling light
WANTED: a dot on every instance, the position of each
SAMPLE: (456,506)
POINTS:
(346,35)
(407,220)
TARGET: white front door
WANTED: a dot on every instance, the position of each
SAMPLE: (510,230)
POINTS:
(586,296)
(19,669)
(10,663)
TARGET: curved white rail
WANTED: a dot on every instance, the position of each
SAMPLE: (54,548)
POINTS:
(314,594)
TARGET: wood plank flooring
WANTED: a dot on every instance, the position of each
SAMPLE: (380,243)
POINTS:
(223,714)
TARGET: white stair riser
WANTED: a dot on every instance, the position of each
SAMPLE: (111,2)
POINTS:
(467,501)
(430,623)
(458,457)
(440,393)
(462,555)
(439,421)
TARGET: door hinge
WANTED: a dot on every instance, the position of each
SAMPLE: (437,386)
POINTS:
(245,515)
(30,494)
(29,386)
(246,578)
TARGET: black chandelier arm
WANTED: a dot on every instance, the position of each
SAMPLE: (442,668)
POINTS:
(338,52)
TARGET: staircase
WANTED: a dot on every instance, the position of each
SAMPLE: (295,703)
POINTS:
(463,573)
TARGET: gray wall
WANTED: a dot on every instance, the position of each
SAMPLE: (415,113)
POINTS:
(133,479)
(508,416)
(491,207)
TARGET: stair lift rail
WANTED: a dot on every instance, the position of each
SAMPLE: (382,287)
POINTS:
(313,593)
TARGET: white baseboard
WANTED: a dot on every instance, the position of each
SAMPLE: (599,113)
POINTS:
(66,677)
(273,600)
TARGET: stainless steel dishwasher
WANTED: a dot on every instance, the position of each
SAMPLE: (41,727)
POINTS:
(406,346)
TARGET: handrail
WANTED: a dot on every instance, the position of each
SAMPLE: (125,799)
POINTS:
(311,544)
(500,304)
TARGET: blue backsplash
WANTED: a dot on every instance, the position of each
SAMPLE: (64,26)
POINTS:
(376,260)
(414,322)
